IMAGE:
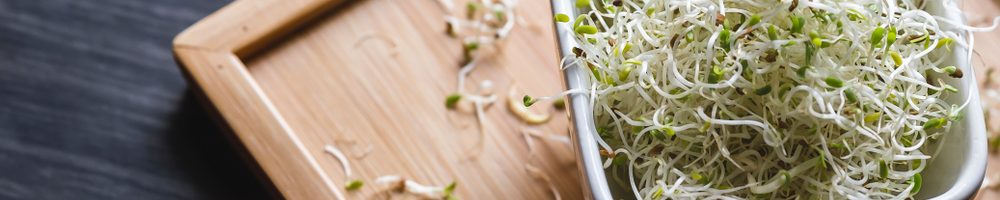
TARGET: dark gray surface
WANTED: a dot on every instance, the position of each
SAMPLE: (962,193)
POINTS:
(93,106)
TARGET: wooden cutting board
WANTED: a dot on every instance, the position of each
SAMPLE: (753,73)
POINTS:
(370,77)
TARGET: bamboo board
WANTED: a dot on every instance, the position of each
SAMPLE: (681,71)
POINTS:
(370,77)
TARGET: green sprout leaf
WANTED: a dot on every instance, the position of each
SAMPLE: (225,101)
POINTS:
(954,72)
(949,69)
(801,71)
(624,72)
(724,38)
(452,100)
(822,160)
(834,82)
(891,38)
(619,159)
(815,38)
(877,36)
(883,169)
(471,46)
(562,18)
(716,74)
(696,176)
(797,23)
(470,10)
(851,96)
(945,42)
(669,132)
(919,39)
(854,15)
(754,19)
(586,29)
(354,185)
(772,32)
(935,123)
(763,90)
(449,191)
(896,59)
(658,134)
(559,104)
(872,117)
(579,20)
(528,101)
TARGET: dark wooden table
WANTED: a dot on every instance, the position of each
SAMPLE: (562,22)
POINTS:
(93,106)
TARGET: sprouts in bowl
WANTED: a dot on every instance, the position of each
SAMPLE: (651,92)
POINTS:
(772,99)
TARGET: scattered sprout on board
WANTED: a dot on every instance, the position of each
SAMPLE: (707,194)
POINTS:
(345,164)
(519,109)
(354,185)
(767,99)
(400,184)
(486,22)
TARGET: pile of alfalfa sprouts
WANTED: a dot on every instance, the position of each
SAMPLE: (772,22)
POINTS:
(766,98)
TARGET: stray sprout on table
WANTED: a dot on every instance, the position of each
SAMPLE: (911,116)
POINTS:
(522,112)
(767,99)
(354,185)
(486,23)
(399,184)
(346,165)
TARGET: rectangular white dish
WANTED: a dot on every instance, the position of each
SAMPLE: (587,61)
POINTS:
(955,173)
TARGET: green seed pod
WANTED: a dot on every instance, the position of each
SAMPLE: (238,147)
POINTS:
(452,100)
(763,90)
(834,82)
(935,123)
(528,101)
(772,32)
(877,36)
(586,29)
(891,37)
(562,18)
(754,19)
(851,96)
(797,23)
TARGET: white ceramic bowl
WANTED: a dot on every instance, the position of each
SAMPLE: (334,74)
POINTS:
(955,173)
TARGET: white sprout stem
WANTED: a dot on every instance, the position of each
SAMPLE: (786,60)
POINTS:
(344,162)
(564,93)
(412,187)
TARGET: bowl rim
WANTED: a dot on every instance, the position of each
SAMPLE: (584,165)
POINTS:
(972,169)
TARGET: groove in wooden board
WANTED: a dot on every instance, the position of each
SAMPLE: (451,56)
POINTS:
(332,90)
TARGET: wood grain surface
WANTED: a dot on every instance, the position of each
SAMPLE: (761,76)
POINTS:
(373,75)
(376,73)
(92,106)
